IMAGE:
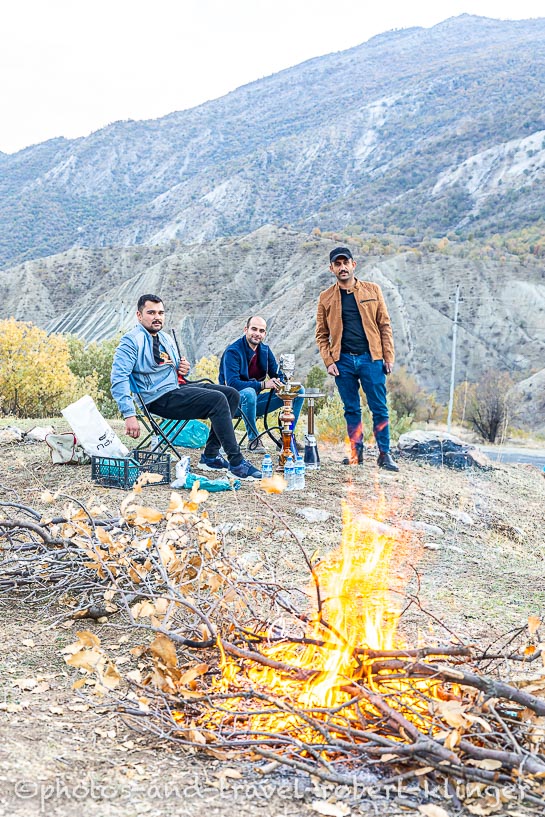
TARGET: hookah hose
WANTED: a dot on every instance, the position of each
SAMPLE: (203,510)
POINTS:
(181,379)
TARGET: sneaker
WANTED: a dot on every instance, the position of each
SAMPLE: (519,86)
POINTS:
(245,470)
(386,461)
(217,463)
(256,446)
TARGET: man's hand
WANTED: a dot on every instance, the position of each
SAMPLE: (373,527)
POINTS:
(132,427)
(388,367)
(332,370)
(183,366)
(272,383)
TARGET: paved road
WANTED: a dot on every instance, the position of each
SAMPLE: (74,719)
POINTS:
(501,453)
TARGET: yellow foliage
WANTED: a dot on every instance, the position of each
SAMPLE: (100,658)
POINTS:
(35,380)
(206,367)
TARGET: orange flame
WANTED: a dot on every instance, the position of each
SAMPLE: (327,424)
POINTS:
(353,614)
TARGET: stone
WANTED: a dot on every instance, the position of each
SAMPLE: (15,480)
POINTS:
(313,514)
(441,449)
(424,527)
(462,517)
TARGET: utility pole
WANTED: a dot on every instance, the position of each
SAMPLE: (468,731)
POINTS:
(453,363)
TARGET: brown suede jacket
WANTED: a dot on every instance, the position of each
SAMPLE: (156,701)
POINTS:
(374,317)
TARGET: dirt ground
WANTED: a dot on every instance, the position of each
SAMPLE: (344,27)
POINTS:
(478,570)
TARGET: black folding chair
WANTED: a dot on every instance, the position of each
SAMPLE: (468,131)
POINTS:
(165,431)
(160,432)
(240,416)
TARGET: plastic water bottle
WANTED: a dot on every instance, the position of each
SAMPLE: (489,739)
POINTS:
(289,473)
(299,481)
(266,467)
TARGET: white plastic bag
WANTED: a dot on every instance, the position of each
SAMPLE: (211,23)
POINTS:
(92,431)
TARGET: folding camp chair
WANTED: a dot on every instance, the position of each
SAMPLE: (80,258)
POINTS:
(240,416)
(160,432)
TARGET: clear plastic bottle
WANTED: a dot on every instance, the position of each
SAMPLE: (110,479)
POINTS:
(266,467)
(289,473)
(299,482)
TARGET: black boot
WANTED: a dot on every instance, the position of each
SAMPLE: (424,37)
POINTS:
(386,461)
(356,456)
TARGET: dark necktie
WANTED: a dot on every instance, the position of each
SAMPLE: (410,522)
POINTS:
(157,350)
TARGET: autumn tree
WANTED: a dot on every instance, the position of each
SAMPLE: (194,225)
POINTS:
(35,378)
(94,361)
(206,367)
(317,378)
(409,399)
(488,405)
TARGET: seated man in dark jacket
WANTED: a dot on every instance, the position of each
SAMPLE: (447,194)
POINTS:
(249,366)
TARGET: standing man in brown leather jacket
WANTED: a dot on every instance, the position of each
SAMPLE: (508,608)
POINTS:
(355,340)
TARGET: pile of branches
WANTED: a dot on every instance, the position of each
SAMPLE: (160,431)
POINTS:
(208,673)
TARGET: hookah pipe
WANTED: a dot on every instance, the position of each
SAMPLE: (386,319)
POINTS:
(287,393)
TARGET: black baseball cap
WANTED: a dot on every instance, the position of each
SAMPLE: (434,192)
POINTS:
(339,252)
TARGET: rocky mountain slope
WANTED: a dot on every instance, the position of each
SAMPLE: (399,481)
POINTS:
(437,129)
(210,289)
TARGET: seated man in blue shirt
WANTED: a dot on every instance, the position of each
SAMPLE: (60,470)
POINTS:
(147,360)
(249,366)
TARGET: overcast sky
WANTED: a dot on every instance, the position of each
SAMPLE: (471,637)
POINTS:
(69,67)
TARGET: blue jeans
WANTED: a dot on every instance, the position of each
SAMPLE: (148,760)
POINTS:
(353,371)
(253,405)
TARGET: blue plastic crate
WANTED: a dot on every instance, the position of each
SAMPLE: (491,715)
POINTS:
(122,472)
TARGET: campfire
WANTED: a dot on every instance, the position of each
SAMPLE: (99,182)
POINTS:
(319,681)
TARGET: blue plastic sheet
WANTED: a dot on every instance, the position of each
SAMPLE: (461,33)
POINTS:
(211,484)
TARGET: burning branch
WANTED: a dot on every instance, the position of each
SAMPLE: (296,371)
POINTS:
(235,662)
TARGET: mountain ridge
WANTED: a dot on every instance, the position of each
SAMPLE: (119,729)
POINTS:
(354,137)
(210,289)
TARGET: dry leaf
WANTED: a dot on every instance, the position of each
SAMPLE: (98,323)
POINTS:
(148,478)
(487,763)
(88,639)
(164,649)
(110,678)
(143,608)
(25,683)
(274,485)
(147,515)
(452,739)
(197,496)
(28,642)
(89,660)
(192,673)
(5,707)
(47,498)
(533,624)
(330,809)
(485,807)
(232,774)
(197,737)
(429,810)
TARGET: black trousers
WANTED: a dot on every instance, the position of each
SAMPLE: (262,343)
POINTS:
(205,401)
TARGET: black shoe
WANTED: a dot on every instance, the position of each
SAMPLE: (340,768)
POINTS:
(385,460)
(355,458)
